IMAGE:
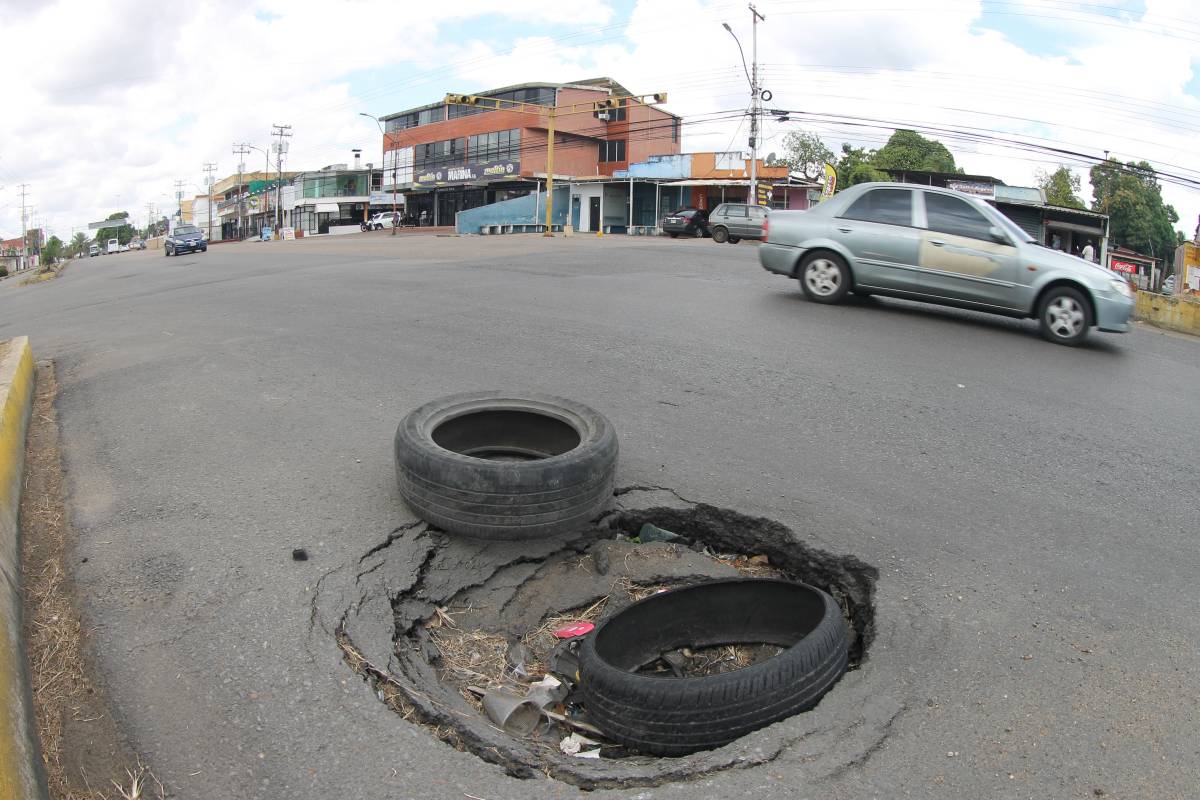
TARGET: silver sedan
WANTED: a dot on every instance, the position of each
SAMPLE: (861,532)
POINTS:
(941,246)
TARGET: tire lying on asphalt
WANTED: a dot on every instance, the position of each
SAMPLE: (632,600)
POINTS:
(502,466)
(669,716)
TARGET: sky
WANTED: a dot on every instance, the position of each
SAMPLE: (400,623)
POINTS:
(108,104)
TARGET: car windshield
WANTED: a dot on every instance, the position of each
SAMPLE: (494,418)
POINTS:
(186,231)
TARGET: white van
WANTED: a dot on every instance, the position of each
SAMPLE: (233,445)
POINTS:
(114,246)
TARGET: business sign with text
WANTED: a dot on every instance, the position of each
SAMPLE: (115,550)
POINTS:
(469,173)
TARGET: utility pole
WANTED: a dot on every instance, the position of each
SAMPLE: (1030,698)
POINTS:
(179,199)
(208,179)
(240,150)
(149,218)
(755,103)
(24,229)
(282,132)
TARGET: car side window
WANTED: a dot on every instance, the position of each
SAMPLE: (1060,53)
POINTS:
(735,210)
(889,206)
(946,214)
(758,213)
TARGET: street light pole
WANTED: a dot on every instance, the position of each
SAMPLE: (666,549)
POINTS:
(755,98)
(383,165)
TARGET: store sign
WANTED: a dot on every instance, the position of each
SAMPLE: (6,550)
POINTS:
(830,182)
(763,194)
(1122,266)
(490,171)
(985,191)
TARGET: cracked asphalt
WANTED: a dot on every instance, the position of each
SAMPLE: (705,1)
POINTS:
(1031,509)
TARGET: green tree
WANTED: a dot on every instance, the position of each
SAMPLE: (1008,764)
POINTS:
(123,233)
(52,251)
(911,151)
(855,166)
(805,153)
(1060,187)
(1131,197)
(79,243)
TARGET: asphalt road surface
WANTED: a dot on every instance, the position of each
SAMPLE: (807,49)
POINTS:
(1032,509)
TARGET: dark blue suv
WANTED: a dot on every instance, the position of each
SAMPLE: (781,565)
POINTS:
(185,239)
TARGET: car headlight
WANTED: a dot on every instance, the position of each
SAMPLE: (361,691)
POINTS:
(1121,287)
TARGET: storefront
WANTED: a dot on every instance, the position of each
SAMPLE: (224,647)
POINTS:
(435,196)
(1141,269)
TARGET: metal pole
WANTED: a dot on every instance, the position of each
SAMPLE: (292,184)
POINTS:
(657,203)
(754,103)
(208,179)
(24,231)
(549,172)
(629,224)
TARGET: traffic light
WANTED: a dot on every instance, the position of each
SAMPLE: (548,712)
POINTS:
(661,97)
(462,99)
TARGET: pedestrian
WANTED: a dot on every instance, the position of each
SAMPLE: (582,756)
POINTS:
(1089,252)
(395,221)
(424,218)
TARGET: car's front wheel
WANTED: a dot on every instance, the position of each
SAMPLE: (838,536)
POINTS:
(1065,316)
(673,235)
(824,277)
(720,235)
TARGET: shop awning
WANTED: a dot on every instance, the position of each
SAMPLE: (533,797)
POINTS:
(327,208)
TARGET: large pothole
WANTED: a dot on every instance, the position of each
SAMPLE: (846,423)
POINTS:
(426,617)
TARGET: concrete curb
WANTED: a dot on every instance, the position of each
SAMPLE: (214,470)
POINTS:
(22,776)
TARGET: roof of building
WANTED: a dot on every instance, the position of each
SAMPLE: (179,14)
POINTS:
(603,83)
(940,176)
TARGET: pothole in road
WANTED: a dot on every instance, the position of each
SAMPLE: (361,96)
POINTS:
(431,619)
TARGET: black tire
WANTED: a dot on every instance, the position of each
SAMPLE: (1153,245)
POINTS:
(830,279)
(698,233)
(500,466)
(1065,316)
(675,716)
(720,235)
(673,235)
(734,239)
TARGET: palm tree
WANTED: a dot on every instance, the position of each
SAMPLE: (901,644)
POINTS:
(79,243)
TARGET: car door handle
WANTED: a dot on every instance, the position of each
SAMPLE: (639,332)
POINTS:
(845,230)
(937,243)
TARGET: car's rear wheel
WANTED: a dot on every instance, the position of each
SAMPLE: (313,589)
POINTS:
(824,277)
(673,235)
(720,235)
(1065,316)
(698,233)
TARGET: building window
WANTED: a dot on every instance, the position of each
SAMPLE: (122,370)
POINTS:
(439,155)
(612,151)
(494,146)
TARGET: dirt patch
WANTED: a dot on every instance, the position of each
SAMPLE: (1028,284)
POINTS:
(430,620)
(84,753)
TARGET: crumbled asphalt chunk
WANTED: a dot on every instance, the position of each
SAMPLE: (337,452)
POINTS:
(380,605)
(299,554)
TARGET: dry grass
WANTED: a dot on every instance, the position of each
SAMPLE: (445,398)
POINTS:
(750,566)
(62,689)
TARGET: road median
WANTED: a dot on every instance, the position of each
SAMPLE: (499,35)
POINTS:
(21,773)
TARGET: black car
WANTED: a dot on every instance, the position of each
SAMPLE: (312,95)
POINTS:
(686,222)
(185,239)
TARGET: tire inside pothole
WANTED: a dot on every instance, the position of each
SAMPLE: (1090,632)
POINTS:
(431,619)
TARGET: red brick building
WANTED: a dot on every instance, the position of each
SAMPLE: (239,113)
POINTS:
(448,158)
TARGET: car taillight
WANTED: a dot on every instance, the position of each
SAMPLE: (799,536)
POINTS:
(766,227)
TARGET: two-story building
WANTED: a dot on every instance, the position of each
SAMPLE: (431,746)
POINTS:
(447,158)
(334,196)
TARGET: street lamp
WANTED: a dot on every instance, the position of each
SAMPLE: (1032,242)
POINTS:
(755,95)
(383,163)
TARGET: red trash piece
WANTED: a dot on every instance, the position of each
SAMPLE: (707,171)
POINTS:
(573,630)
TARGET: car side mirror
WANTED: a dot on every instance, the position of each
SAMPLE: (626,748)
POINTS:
(998,236)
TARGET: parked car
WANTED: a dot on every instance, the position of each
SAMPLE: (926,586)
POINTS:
(732,222)
(123,249)
(137,244)
(185,239)
(114,246)
(941,246)
(686,222)
(378,222)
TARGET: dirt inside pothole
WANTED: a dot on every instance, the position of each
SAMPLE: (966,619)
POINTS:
(467,617)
